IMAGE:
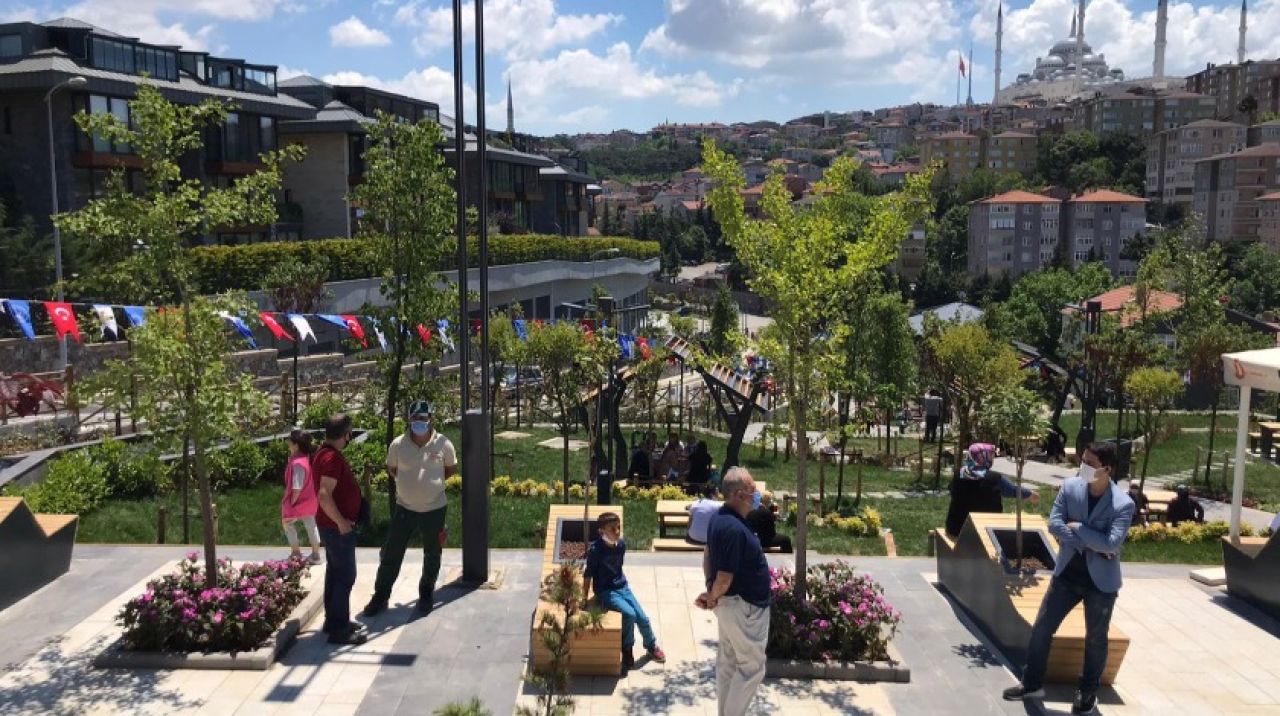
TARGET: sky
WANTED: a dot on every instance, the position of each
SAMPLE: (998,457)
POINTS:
(599,65)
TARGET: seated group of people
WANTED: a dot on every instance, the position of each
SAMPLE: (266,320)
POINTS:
(688,463)
(1182,508)
(763,519)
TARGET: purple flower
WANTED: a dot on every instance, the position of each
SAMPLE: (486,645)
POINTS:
(188,615)
(845,609)
(146,598)
(248,614)
(193,556)
(218,617)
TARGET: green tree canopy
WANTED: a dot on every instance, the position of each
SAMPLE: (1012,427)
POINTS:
(1033,313)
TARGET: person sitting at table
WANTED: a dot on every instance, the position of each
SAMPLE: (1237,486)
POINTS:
(1184,508)
(640,468)
(700,514)
(763,520)
(1142,514)
(699,468)
(672,458)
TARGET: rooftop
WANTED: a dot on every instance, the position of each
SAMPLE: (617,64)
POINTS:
(1107,196)
(1124,301)
(1271,149)
(1018,196)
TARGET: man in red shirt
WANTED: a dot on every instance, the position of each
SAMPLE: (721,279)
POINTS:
(339,496)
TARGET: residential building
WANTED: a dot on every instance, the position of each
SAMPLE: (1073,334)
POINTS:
(964,153)
(1269,220)
(911,255)
(1012,151)
(1142,112)
(1098,226)
(1014,233)
(801,130)
(893,135)
(1231,84)
(35,58)
(1173,153)
(1264,133)
(959,152)
(564,206)
(1227,188)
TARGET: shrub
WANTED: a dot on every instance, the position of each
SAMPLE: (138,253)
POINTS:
(469,708)
(240,464)
(319,410)
(1185,532)
(74,484)
(844,618)
(178,613)
(131,471)
(866,523)
(276,453)
(368,455)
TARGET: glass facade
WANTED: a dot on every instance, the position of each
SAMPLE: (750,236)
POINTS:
(10,45)
(133,59)
(246,78)
(241,138)
(102,104)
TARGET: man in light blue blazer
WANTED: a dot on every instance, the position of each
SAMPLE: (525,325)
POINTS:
(1090,519)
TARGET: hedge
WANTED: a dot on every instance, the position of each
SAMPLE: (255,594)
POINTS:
(245,266)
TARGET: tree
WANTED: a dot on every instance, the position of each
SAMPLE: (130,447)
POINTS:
(971,366)
(1201,352)
(408,199)
(1254,288)
(693,244)
(1153,391)
(1033,313)
(1016,417)
(799,261)
(187,391)
(557,629)
(28,255)
(296,287)
(723,336)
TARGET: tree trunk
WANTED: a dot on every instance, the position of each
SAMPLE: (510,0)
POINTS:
(564,436)
(206,513)
(802,496)
(1213,430)
(1146,453)
(1018,514)
(843,412)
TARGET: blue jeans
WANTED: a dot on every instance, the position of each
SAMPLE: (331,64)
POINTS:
(1061,598)
(339,576)
(624,602)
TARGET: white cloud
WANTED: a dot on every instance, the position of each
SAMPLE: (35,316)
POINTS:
(284,72)
(518,29)
(352,32)
(188,24)
(430,83)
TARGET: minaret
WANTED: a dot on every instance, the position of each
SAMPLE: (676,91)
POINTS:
(1244,27)
(995,96)
(1162,24)
(969,101)
(1080,49)
(511,113)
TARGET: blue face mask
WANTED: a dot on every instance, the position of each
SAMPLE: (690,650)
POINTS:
(419,427)
(755,500)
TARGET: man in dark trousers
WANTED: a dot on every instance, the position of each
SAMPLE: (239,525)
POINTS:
(339,497)
(419,461)
(932,415)
(738,592)
(1090,519)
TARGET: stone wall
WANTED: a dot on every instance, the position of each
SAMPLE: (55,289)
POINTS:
(19,355)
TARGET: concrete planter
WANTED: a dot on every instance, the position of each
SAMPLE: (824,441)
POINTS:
(117,657)
(893,670)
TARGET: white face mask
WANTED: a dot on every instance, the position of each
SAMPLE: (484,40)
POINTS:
(1089,473)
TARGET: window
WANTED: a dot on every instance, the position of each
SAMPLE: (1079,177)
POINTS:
(232,144)
(266,134)
(113,55)
(161,64)
(10,45)
(101,104)
(259,80)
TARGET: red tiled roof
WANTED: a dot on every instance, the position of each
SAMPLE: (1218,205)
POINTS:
(1106,196)
(1018,197)
(1118,299)
(1270,197)
(692,205)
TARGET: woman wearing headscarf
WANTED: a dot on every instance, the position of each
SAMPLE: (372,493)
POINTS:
(979,488)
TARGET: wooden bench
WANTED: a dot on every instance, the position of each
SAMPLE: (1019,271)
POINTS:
(679,544)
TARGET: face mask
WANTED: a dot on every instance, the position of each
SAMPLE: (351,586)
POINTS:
(419,427)
(756,497)
(1089,473)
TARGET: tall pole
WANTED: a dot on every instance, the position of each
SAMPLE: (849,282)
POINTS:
(482,204)
(1244,28)
(1080,50)
(995,95)
(53,193)
(1162,26)
(460,151)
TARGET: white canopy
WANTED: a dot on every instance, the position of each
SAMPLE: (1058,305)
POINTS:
(1250,370)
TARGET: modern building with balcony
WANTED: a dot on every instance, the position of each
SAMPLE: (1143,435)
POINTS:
(1227,189)
(1142,111)
(1173,153)
(36,58)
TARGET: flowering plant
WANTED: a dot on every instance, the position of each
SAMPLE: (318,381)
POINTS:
(179,612)
(1185,532)
(844,618)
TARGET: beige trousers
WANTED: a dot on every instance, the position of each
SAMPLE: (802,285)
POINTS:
(740,662)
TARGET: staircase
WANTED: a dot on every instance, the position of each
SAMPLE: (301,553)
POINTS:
(34,549)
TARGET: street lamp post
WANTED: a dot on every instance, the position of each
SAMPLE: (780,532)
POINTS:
(76,81)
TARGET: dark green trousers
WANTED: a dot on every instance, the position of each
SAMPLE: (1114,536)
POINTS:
(404,523)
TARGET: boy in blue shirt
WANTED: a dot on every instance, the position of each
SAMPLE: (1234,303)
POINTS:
(604,575)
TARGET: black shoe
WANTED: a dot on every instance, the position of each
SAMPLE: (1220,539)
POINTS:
(350,637)
(1085,702)
(425,605)
(1020,692)
(374,607)
(628,661)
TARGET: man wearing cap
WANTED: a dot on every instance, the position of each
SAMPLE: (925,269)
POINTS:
(418,461)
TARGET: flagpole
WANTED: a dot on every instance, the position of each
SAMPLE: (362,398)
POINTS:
(958,76)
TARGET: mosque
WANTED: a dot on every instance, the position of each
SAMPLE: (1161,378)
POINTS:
(1069,69)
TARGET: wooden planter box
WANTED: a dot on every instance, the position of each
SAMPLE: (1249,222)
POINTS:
(1005,605)
(34,549)
(590,653)
(1253,571)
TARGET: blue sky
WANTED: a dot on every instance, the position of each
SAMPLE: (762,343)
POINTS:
(598,65)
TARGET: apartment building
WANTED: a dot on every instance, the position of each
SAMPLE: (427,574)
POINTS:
(1142,112)
(1264,133)
(38,57)
(1015,232)
(1227,189)
(1269,220)
(1018,231)
(959,152)
(912,255)
(1011,151)
(1098,226)
(1231,84)
(893,135)
(1173,153)
(964,153)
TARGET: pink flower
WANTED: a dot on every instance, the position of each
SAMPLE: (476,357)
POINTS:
(218,617)
(188,615)
(248,614)
(845,609)
(193,556)
(146,598)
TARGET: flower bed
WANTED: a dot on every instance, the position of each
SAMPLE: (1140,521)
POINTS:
(1185,532)
(845,617)
(180,613)
(504,485)
(867,523)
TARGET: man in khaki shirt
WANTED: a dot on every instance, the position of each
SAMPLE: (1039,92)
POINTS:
(419,461)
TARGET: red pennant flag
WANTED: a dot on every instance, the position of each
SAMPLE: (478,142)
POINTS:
(274,326)
(425,334)
(64,319)
(475,326)
(356,329)
(962,66)
(644,347)
(587,328)
(537,322)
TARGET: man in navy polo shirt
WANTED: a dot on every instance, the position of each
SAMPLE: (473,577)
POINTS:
(738,592)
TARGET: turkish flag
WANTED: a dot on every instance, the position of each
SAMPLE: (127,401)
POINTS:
(274,326)
(644,347)
(356,329)
(64,319)
(425,334)
(587,328)
(475,326)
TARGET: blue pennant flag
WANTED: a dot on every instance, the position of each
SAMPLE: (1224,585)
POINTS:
(624,342)
(335,320)
(520,329)
(443,325)
(137,315)
(21,312)
(241,327)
